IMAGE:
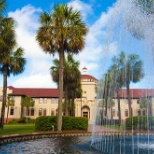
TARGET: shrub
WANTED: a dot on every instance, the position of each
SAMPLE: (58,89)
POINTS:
(22,120)
(140,122)
(13,121)
(45,123)
(75,123)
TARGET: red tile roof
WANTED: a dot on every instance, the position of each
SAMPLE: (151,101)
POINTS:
(35,92)
(137,93)
(86,76)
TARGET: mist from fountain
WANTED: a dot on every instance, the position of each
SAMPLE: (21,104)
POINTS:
(130,27)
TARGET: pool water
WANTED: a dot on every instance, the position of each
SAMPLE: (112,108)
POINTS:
(60,145)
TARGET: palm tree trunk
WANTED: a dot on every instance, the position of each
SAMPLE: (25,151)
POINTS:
(4,97)
(119,110)
(7,114)
(66,102)
(61,61)
(129,100)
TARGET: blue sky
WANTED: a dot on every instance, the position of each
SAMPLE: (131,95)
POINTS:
(103,41)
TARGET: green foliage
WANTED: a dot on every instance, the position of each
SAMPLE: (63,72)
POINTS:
(45,123)
(75,123)
(27,102)
(13,121)
(140,122)
(22,120)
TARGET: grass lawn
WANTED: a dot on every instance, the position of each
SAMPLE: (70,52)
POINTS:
(17,129)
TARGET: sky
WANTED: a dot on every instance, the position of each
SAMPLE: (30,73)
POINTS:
(100,43)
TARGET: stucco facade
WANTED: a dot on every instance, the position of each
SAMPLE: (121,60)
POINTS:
(46,101)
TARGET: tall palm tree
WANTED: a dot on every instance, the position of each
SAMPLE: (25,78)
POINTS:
(10,102)
(72,76)
(117,73)
(61,31)
(12,63)
(7,57)
(133,73)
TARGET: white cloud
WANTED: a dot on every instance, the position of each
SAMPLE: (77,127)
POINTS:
(37,81)
(84,8)
(38,63)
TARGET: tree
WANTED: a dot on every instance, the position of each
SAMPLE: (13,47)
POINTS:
(146,5)
(9,102)
(61,31)
(146,103)
(133,73)
(27,102)
(11,62)
(72,78)
(117,71)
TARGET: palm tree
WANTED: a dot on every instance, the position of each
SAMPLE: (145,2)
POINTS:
(11,62)
(61,31)
(72,76)
(133,73)
(27,102)
(117,73)
(10,102)
(146,103)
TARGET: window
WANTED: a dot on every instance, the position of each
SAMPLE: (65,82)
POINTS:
(52,112)
(40,112)
(139,112)
(41,100)
(85,114)
(32,111)
(44,112)
(45,100)
(113,112)
(126,113)
(52,100)
(27,111)
(143,112)
(11,111)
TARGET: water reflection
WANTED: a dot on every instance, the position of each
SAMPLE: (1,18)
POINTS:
(60,145)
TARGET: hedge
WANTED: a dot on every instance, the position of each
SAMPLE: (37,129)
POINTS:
(46,123)
(140,122)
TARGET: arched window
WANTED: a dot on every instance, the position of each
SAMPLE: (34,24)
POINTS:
(139,112)
(11,111)
(144,112)
(126,113)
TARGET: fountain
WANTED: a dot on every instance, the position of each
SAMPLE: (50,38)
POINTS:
(130,28)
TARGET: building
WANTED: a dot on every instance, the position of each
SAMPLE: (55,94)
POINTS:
(46,101)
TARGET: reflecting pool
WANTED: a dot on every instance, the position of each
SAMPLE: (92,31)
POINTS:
(59,145)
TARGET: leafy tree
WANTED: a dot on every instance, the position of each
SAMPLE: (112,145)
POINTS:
(117,70)
(146,103)
(9,102)
(72,78)
(133,73)
(11,62)
(27,102)
(146,5)
(61,31)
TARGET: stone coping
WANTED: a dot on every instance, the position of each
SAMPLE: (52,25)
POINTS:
(6,139)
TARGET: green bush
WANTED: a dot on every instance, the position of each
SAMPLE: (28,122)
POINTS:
(13,121)
(46,123)
(22,120)
(140,122)
(75,123)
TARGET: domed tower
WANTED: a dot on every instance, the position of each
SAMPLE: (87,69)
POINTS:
(85,106)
